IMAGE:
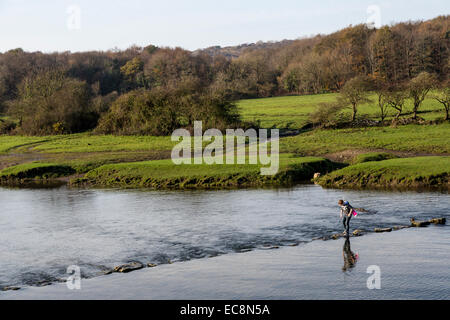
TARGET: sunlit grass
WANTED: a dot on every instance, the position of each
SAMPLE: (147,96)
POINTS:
(165,174)
(417,171)
(412,138)
(293,111)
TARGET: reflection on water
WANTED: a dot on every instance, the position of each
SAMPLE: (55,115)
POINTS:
(350,258)
(43,231)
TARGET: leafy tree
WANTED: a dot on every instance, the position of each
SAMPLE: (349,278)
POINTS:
(133,72)
(51,103)
(162,110)
(132,68)
(418,89)
(354,93)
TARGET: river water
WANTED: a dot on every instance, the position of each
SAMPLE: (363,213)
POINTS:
(43,231)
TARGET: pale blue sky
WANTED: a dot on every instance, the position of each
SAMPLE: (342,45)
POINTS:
(43,25)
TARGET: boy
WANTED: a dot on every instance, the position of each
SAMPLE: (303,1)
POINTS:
(346,215)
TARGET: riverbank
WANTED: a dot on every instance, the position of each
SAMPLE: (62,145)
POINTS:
(372,172)
(413,265)
(406,173)
(163,174)
(92,160)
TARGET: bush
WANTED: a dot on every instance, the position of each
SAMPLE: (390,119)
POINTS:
(162,110)
(7,126)
(51,103)
(327,115)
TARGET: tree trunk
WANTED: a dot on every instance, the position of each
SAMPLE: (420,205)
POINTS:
(416,107)
(354,113)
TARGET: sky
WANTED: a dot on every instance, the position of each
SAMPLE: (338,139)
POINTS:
(82,25)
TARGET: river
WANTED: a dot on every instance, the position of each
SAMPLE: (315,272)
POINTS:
(43,231)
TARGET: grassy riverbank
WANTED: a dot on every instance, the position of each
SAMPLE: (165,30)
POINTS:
(164,174)
(394,173)
(106,159)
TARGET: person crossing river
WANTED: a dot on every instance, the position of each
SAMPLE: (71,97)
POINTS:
(346,214)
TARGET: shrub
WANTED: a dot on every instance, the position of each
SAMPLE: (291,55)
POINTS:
(327,115)
(7,126)
(51,103)
(162,110)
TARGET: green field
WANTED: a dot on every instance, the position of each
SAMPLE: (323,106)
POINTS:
(282,112)
(84,142)
(411,138)
(292,112)
(139,160)
(8,143)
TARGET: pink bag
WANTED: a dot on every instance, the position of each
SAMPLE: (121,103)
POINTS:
(355,213)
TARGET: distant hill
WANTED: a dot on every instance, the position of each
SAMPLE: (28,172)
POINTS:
(236,51)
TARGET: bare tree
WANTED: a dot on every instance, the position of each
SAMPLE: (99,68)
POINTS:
(443,96)
(396,99)
(381,89)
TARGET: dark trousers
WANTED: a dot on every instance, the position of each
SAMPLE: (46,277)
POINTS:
(346,223)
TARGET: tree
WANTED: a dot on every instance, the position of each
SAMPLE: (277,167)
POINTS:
(443,96)
(381,89)
(51,103)
(395,98)
(383,106)
(133,72)
(354,93)
(418,89)
(132,68)
(161,110)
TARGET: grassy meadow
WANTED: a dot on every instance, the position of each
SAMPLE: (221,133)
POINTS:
(144,161)
(409,138)
(83,142)
(292,112)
